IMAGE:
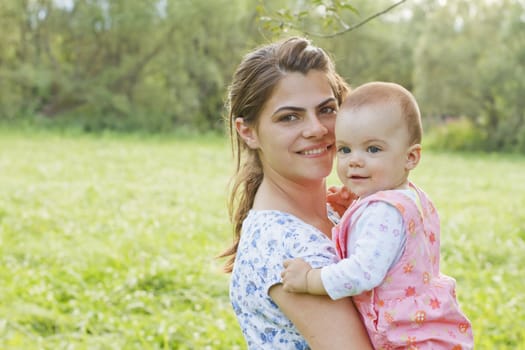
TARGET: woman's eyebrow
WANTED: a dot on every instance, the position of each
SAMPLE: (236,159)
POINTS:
(330,99)
(299,109)
(289,108)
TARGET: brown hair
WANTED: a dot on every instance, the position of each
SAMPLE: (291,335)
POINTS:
(379,92)
(252,85)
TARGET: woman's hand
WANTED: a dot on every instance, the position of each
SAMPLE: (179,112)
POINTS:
(340,198)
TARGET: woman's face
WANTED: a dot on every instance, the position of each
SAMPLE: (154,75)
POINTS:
(295,133)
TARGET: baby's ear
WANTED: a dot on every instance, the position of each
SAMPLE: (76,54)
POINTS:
(413,156)
(247,133)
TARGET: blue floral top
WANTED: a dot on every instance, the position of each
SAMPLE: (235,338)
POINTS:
(268,238)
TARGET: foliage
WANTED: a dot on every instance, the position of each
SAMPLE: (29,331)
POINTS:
(436,49)
(456,135)
(374,51)
(458,73)
(325,15)
(123,64)
(165,65)
(108,242)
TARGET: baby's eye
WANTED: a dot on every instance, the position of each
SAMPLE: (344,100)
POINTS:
(344,149)
(373,149)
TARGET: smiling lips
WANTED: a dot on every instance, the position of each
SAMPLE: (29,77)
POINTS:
(315,151)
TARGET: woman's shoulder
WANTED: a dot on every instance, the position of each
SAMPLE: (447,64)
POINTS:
(283,234)
(266,218)
(257,214)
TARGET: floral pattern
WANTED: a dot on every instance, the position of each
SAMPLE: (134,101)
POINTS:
(268,238)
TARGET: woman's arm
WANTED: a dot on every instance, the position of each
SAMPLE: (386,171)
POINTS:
(324,323)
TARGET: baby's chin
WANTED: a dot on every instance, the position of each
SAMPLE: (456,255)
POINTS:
(364,193)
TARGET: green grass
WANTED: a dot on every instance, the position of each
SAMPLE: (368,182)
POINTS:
(108,242)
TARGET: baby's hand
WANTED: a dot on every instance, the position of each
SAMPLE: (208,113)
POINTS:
(295,275)
(340,198)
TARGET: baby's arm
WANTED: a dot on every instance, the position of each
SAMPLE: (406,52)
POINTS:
(299,277)
(376,243)
(379,242)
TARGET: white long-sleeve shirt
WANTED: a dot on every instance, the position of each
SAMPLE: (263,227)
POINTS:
(375,245)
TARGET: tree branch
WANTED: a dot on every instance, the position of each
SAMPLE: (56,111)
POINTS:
(355,26)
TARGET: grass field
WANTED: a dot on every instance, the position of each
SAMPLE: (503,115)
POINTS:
(108,242)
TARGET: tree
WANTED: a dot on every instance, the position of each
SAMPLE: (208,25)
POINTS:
(469,62)
(328,17)
(122,63)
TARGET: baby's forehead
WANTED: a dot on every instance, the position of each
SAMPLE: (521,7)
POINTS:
(382,110)
(375,101)
(372,120)
(376,91)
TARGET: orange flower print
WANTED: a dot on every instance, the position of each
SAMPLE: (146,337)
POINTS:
(435,303)
(435,260)
(411,227)
(420,317)
(389,318)
(457,347)
(411,341)
(426,278)
(380,303)
(400,208)
(408,268)
(410,291)
(432,238)
(463,327)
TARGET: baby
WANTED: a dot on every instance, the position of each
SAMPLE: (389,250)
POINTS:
(388,239)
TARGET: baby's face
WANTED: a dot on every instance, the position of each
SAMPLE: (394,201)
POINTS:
(372,148)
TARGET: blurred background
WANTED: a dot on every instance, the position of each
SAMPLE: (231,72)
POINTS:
(114,164)
(164,65)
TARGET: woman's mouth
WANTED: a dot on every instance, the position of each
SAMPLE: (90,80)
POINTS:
(315,151)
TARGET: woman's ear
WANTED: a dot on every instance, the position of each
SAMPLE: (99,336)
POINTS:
(413,156)
(247,133)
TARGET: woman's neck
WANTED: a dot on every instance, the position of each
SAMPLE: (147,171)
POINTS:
(306,200)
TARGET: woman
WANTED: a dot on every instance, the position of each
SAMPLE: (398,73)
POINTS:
(283,101)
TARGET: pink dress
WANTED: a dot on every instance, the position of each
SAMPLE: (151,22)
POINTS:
(415,306)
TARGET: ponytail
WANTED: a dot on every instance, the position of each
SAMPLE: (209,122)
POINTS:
(244,186)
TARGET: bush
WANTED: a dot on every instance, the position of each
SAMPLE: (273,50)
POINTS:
(456,135)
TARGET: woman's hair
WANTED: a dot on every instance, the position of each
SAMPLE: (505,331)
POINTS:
(386,92)
(252,85)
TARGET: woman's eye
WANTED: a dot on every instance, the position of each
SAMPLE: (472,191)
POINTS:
(288,118)
(328,110)
(373,149)
(344,149)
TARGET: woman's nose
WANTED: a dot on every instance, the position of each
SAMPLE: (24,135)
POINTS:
(314,127)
